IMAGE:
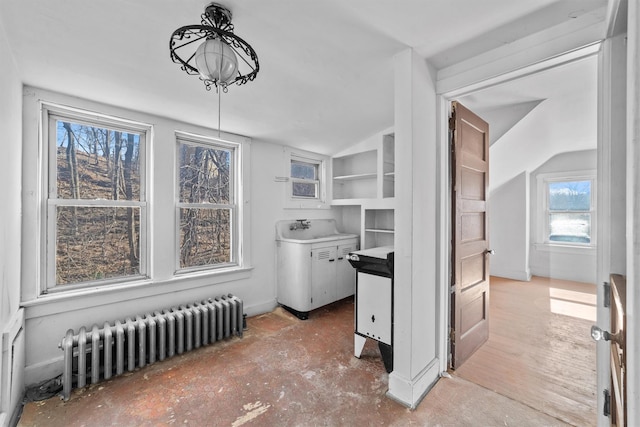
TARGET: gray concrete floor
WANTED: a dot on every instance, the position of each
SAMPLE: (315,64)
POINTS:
(284,371)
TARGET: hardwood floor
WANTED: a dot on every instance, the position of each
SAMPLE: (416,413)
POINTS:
(540,351)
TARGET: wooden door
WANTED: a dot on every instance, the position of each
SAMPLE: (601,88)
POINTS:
(470,234)
(618,293)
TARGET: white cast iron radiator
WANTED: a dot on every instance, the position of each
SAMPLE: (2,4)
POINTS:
(145,339)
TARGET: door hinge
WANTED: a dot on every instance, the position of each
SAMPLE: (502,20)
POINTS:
(606,411)
(607,294)
(452,123)
(452,335)
(453,289)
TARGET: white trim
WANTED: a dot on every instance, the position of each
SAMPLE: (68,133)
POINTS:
(405,389)
(235,192)
(542,225)
(444,229)
(96,296)
(565,248)
(50,114)
(520,275)
(633,213)
(449,89)
(290,202)
(531,53)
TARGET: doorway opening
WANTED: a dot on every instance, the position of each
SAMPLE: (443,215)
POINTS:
(541,124)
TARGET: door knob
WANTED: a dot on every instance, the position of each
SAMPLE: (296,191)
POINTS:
(599,334)
(490,252)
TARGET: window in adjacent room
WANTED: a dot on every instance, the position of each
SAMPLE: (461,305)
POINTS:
(207,208)
(96,215)
(569,216)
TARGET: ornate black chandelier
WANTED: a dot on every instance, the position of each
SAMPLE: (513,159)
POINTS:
(222,58)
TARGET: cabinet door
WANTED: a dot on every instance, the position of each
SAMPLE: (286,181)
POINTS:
(373,307)
(323,276)
(345,273)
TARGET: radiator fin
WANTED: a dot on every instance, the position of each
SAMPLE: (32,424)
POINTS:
(146,338)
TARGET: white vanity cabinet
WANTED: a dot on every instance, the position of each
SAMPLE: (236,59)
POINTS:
(311,275)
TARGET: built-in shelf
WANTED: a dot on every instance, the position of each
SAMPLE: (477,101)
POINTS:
(364,178)
(355,177)
(379,230)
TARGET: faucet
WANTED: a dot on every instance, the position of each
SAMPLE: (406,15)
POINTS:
(300,224)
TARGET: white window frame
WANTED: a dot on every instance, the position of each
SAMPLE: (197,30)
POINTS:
(543,209)
(294,202)
(49,114)
(235,191)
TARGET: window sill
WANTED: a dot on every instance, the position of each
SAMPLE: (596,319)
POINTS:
(307,204)
(59,302)
(565,248)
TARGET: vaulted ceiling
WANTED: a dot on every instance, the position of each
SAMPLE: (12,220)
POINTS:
(326,66)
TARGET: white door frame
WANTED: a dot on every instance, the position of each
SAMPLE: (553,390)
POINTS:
(446,94)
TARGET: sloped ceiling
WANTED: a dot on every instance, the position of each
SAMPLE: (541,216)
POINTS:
(538,117)
(326,78)
(505,117)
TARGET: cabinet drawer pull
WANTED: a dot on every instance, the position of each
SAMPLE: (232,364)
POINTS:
(340,258)
(332,259)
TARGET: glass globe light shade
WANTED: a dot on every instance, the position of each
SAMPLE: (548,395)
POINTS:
(216,61)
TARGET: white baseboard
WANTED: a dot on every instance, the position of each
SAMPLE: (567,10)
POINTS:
(411,392)
(45,370)
(260,308)
(521,275)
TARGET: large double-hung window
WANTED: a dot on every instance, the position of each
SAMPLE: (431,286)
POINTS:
(96,216)
(207,208)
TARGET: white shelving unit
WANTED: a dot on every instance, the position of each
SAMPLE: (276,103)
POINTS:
(364,176)
(355,175)
(378,228)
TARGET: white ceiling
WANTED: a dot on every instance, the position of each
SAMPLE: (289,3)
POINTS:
(537,117)
(326,66)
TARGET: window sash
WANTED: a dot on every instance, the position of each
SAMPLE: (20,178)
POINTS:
(231,206)
(305,182)
(573,240)
(51,114)
(314,182)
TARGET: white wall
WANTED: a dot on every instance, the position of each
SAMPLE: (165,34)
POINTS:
(509,229)
(50,316)
(577,264)
(416,363)
(11,335)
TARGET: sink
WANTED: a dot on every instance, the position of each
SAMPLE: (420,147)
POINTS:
(320,230)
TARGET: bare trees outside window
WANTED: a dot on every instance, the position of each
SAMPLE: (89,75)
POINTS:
(95,200)
(206,205)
